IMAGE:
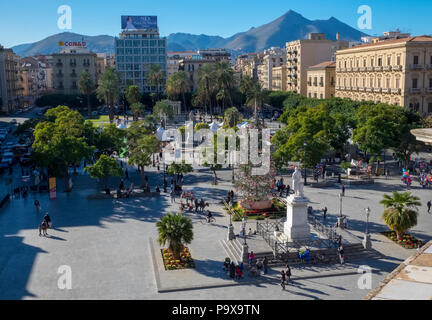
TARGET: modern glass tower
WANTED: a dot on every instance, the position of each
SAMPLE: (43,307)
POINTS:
(136,50)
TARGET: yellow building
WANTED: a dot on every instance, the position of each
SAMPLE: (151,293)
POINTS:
(302,54)
(11,88)
(322,80)
(279,78)
(397,72)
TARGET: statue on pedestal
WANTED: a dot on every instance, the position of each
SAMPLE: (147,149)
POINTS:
(297,183)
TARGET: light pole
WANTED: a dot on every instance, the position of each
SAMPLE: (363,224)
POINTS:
(340,204)
(367,244)
(245,249)
(231,234)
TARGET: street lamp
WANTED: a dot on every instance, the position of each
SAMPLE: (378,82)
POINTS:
(231,234)
(340,204)
(367,244)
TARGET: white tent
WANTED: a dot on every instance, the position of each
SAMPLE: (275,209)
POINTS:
(243,125)
(159,133)
(121,126)
(214,127)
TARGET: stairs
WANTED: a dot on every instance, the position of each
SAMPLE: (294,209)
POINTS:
(356,252)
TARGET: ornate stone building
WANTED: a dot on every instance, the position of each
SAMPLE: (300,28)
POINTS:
(397,71)
(322,80)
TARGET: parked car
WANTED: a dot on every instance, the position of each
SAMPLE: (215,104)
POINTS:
(13,121)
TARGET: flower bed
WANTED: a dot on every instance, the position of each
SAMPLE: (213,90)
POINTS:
(185,262)
(408,241)
(277,211)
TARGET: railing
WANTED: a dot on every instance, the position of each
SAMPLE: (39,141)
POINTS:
(397,68)
(397,91)
(387,68)
(416,90)
(416,67)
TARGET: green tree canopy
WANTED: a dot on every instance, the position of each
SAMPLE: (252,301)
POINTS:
(86,85)
(104,168)
(109,89)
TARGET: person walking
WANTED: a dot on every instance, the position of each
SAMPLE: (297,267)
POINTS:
(37,205)
(265,265)
(324,213)
(283,279)
(288,273)
(343,190)
(172,195)
(251,257)
(126,174)
(429,204)
(341,254)
(232,270)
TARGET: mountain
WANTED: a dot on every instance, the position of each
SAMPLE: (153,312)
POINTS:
(291,26)
(49,45)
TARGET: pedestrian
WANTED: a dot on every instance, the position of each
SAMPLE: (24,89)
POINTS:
(172,195)
(288,190)
(232,270)
(341,254)
(239,272)
(196,205)
(288,273)
(343,190)
(265,265)
(37,205)
(429,204)
(283,279)
(251,257)
(324,213)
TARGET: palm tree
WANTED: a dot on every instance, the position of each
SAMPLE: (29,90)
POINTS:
(221,96)
(178,84)
(400,212)
(86,86)
(133,94)
(206,83)
(225,78)
(232,116)
(109,89)
(256,97)
(137,109)
(156,77)
(176,230)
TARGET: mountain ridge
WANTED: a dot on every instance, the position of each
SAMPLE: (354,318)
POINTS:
(288,27)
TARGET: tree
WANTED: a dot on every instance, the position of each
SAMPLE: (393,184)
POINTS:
(232,117)
(400,212)
(201,125)
(137,109)
(254,187)
(178,84)
(221,96)
(133,94)
(104,168)
(163,110)
(59,142)
(156,77)
(256,98)
(225,79)
(176,230)
(207,84)
(305,138)
(141,154)
(179,168)
(109,89)
(86,86)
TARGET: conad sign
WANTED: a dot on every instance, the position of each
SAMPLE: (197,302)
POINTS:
(82,44)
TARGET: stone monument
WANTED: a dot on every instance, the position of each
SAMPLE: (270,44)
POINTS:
(296,226)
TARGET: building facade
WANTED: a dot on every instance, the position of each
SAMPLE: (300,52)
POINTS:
(302,54)
(11,87)
(397,72)
(247,64)
(273,57)
(136,51)
(174,58)
(279,78)
(37,78)
(68,66)
(322,80)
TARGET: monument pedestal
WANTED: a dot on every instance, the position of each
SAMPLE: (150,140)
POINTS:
(296,227)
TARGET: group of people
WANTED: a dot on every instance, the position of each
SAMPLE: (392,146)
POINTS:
(285,276)
(235,271)
(127,192)
(281,187)
(46,223)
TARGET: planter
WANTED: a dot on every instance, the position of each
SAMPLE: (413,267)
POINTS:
(256,205)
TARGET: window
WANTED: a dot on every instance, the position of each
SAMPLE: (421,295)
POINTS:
(128,43)
(414,83)
(430,83)
(137,43)
(372,62)
(145,43)
(379,62)
(388,61)
(388,83)
(397,83)
(120,51)
(379,82)
(128,51)
(398,60)
(416,60)
(321,96)
(315,95)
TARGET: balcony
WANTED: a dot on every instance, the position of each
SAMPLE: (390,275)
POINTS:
(377,90)
(337,87)
(415,90)
(73,75)
(354,88)
(387,68)
(59,64)
(362,89)
(417,67)
(368,89)
(342,70)
(309,83)
(397,68)
(378,69)
(342,88)
(348,69)
(321,84)
(348,88)
(86,64)
(396,91)
(362,69)
(370,69)
(60,87)
(386,90)
(355,69)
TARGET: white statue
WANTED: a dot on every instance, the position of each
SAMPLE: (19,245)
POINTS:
(297,183)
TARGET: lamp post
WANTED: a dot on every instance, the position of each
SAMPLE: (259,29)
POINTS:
(340,204)
(304,163)
(367,244)
(245,249)
(231,234)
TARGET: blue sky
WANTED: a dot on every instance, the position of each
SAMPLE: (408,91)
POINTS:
(23,21)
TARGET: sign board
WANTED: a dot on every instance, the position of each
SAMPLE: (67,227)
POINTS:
(138,22)
(52,188)
(73,44)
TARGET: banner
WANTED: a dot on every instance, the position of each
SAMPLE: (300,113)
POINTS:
(138,22)
(52,188)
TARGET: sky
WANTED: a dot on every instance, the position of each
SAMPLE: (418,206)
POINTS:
(25,21)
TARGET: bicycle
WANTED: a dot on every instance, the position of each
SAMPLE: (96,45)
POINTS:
(207,220)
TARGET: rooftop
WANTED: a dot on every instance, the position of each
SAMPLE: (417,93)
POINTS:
(416,39)
(324,65)
(412,280)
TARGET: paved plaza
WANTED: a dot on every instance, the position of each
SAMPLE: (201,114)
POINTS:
(106,244)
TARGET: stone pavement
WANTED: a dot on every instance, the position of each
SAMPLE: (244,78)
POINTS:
(105,242)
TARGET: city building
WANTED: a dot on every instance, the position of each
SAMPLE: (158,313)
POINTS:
(279,78)
(322,80)
(37,78)
(304,53)
(388,35)
(136,50)
(397,72)
(68,66)
(192,64)
(11,88)
(273,57)
(247,64)
(174,58)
